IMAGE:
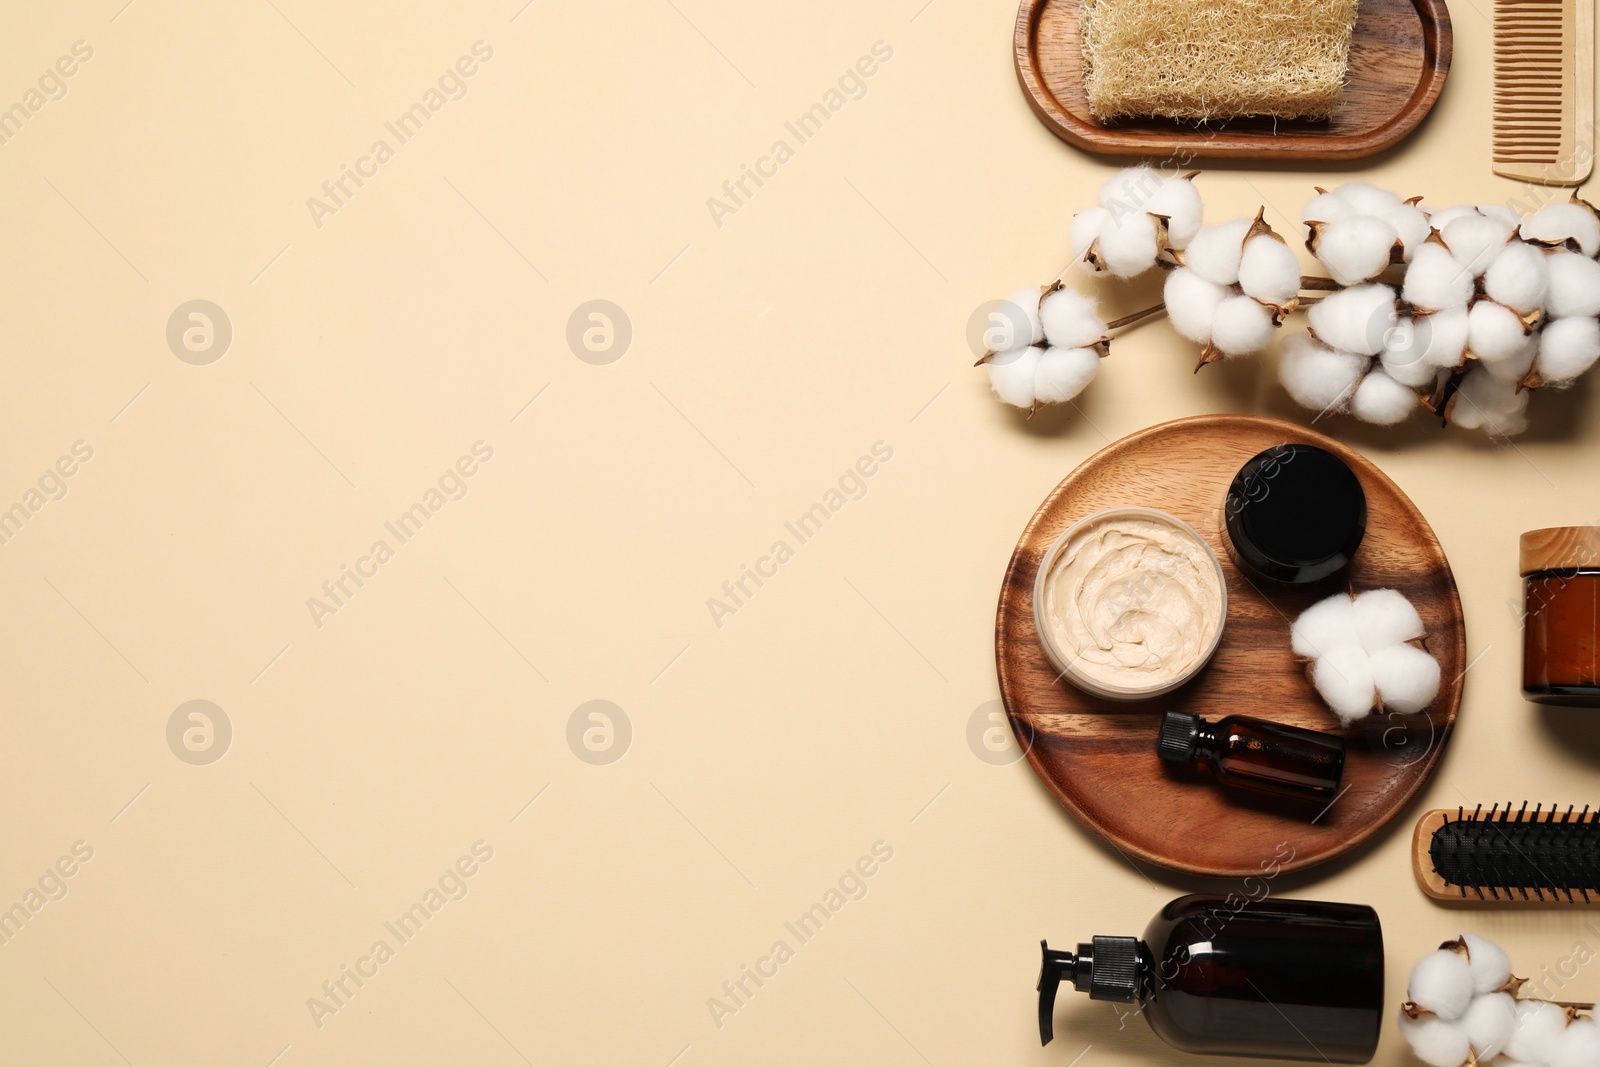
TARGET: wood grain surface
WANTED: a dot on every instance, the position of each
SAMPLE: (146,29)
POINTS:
(1560,548)
(1399,57)
(1099,757)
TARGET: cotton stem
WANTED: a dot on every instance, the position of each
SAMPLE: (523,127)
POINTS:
(1137,317)
(1319,284)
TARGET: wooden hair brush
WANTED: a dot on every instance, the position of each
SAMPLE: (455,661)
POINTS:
(1510,856)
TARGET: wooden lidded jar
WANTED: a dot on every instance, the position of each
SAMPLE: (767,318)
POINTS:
(1561,616)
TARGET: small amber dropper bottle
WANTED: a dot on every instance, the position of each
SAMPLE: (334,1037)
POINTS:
(1257,754)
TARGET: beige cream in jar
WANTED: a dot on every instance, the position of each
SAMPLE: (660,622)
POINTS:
(1130,603)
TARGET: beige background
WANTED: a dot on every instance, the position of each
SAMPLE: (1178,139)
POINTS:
(768,354)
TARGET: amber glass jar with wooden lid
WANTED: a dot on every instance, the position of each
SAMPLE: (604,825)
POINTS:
(1561,616)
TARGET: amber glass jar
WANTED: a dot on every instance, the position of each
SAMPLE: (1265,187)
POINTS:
(1561,616)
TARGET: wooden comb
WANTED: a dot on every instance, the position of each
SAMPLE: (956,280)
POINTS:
(1510,856)
(1544,90)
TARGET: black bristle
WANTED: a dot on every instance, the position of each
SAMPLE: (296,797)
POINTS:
(1511,849)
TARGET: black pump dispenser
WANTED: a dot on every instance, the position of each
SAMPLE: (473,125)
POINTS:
(1106,968)
(1287,979)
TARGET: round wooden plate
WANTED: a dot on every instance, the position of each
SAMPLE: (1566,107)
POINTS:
(1099,757)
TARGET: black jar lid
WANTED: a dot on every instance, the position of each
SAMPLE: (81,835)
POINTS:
(1295,513)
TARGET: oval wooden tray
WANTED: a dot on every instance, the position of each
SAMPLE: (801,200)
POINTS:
(1099,757)
(1399,56)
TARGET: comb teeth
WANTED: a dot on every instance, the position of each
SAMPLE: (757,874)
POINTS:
(1516,855)
(1528,90)
(1543,85)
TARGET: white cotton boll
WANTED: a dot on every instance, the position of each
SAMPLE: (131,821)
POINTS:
(1483,403)
(1491,967)
(1129,190)
(1500,213)
(1384,617)
(1441,982)
(1443,336)
(1020,325)
(1410,223)
(1489,1021)
(1555,223)
(1327,207)
(1406,677)
(1494,331)
(1343,676)
(1011,375)
(1086,228)
(1215,252)
(1578,1045)
(1539,1027)
(1514,367)
(1410,371)
(1179,201)
(1269,270)
(1069,319)
(1192,304)
(1319,377)
(1062,373)
(1326,625)
(1436,1042)
(1368,199)
(1403,358)
(1382,400)
(1476,239)
(1128,244)
(1518,277)
(1436,281)
(1241,327)
(1445,216)
(1356,249)
(1574,285)
(1355,320)
(1567,349)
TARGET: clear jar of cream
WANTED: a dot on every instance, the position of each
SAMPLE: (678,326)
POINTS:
(1561,616)
(1129,603)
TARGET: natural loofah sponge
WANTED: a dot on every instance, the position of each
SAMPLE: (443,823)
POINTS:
(1225,58)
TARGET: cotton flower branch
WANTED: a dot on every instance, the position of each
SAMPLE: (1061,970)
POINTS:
(1464,1006)
(1461,311)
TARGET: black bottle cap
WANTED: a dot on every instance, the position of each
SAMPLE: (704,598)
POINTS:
(1295,514)
(1106,969)
(1179,732)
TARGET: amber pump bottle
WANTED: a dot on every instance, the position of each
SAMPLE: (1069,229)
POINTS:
(1288,979)
(1257,754)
